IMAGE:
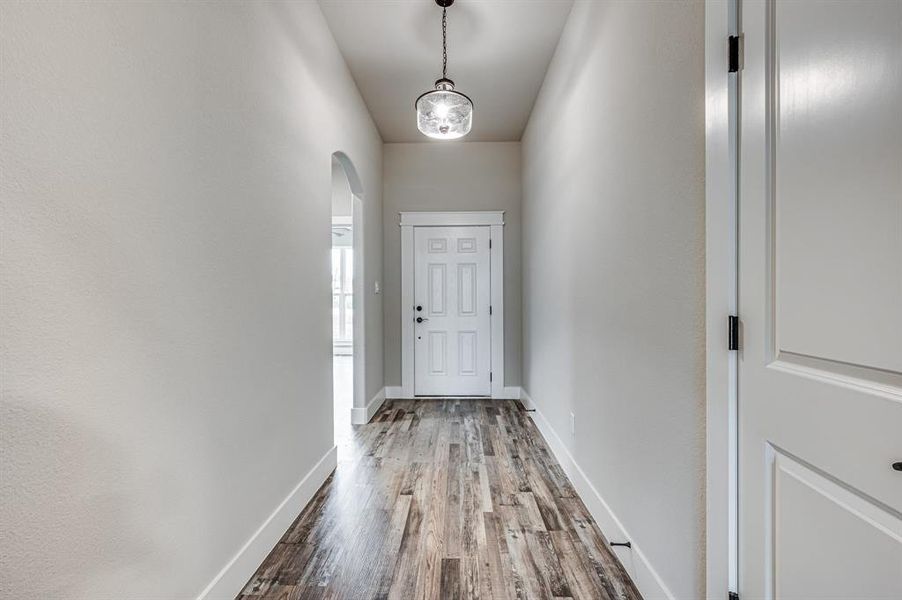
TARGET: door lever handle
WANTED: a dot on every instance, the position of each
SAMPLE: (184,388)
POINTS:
(421,319)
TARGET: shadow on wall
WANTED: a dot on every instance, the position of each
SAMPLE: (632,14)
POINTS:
(350,172)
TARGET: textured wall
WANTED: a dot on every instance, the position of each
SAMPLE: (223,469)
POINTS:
(166,340)
(452,176)
(613,263)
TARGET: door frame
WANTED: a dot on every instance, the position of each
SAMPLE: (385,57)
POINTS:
(494,219)
(722,113)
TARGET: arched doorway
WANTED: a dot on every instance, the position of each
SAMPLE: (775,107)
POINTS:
(347,293)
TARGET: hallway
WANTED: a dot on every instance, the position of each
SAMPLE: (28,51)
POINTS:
(433,299)
(458,499)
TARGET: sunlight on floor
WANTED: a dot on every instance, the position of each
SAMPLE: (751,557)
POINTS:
(343,385)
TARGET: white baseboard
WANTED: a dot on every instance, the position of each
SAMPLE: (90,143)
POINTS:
(511,393)
(232,578)
(362,416)
(634,560)
(397,393)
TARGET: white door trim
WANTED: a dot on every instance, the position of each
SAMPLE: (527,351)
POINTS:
(495,221)
(358,324)
(452,218)
(721,300)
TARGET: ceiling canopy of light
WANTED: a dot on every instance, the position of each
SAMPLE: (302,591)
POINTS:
(444,113)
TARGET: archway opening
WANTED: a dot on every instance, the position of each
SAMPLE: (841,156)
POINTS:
(347,297)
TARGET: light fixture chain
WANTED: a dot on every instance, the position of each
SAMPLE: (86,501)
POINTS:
(444,43)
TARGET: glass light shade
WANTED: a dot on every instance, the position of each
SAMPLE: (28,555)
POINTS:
(444,114)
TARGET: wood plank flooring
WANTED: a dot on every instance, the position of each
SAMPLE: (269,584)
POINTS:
(444,499)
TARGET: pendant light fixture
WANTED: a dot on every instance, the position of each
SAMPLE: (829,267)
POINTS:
(444,113)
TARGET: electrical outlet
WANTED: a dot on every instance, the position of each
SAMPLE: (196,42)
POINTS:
(572,424)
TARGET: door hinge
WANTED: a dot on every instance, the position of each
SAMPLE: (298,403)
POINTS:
(732,596)
(490,375)
(490,309)
(490,243)
(733,335)
(734,60)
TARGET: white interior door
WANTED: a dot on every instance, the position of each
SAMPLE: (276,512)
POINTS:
(820,392)
(452,295)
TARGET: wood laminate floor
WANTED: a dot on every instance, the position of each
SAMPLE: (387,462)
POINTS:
(450,498)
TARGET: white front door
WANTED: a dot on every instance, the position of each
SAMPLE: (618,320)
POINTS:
(820,392)
(452,296)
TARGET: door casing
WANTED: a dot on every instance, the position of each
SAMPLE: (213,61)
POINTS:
(495,221)
(721,299)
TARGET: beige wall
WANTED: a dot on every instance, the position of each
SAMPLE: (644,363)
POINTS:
(451,176)
(166,332)
(613,262)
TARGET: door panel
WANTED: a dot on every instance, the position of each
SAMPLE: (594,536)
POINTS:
(804,501)
(438,352)
(820,370)
(466,289)
(838,179)
(452,354)
(467,355)
(437,292)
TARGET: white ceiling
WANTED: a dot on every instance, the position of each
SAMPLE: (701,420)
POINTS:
(498,51)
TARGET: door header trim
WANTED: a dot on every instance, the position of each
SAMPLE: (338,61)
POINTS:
(451,218)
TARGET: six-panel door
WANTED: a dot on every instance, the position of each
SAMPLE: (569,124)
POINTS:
(452,295)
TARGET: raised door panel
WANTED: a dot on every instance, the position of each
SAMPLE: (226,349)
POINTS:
(466,245)
(466,290)
(837,181)
(814,517)
(437,352)
(437,289)
(467,349)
